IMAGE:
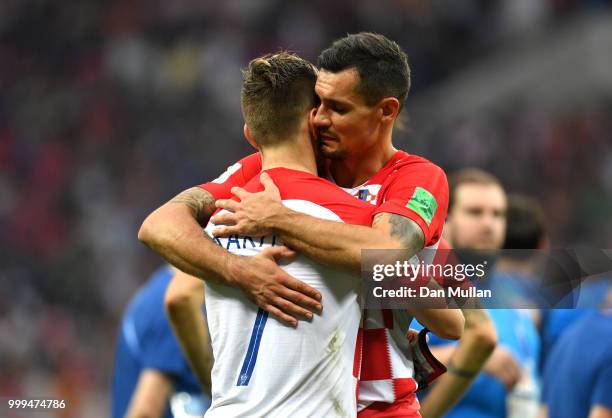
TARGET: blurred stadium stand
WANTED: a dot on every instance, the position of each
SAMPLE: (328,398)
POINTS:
(110,108)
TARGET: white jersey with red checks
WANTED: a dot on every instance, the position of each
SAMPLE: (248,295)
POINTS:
(386,366)
(264,368)
(409,186)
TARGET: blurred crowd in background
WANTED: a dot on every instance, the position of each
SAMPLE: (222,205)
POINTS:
(108,109)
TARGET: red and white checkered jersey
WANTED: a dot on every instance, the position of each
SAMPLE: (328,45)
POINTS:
(409,186)
(417,189)
(266,368)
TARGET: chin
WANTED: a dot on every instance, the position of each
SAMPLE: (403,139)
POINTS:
(331,153)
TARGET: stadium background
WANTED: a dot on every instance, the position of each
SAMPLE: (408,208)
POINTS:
(107,109)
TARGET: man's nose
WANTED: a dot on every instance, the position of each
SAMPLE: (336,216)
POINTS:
(320,117)
(488,223)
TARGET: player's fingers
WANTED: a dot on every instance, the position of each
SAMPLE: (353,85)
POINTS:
(267,182)
(279,252)
(239,192)
(226,231)
(514,376)
(290,308)
(510,382)
(225,218)
(307,304)
(509,379)
(283,317)
(504,379)
(512,367)
(412,335)
(228,204)
(300,287)
(303,288)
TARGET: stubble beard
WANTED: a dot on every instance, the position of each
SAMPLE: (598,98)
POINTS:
(335,154)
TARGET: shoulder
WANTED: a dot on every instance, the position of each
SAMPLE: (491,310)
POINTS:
(409,163)
(147,305)
(305,187)
(411,172)
(247,167)
(251,162)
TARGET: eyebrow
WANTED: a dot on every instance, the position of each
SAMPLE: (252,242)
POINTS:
(335,101)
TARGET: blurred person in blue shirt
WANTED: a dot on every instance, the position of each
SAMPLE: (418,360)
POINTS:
(519,280)
(554,322)
(151,376)
(578,375)
(509,384)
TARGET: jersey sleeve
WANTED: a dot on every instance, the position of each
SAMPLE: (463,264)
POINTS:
(420,193)
(603,388)
(237,174)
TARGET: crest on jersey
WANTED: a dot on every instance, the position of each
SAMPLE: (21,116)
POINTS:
(368,193)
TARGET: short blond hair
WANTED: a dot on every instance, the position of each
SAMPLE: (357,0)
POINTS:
(278,90)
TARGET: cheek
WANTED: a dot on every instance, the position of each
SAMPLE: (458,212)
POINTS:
(462,227)
(343,124)
(466,223)
(500,228)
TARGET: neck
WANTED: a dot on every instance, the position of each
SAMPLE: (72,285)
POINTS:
(293,154)
(354,170)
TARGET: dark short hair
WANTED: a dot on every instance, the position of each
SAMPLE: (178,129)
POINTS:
(468,176)
(381,63)
(277,91)
(525,226)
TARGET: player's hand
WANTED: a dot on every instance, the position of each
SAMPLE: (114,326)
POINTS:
(413,335)
(503,366)
(253,215)
(275,291)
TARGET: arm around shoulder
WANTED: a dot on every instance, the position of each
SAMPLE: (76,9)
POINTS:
(174,231)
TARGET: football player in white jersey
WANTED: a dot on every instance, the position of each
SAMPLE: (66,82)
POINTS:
(263,367)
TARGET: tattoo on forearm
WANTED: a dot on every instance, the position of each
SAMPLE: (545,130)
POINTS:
(377,219)
(407,231)
(197,199)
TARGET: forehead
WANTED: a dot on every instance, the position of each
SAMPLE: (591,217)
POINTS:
(340,85)
(478,194)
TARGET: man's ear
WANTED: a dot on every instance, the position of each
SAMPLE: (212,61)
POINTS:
(390,108)
(311,126)
(249,137)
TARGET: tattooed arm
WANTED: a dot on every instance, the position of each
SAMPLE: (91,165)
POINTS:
(445,323)
(174,231)
(337,244)
(333,243)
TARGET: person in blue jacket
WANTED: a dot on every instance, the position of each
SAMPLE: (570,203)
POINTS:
(578,376)
(151,377)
